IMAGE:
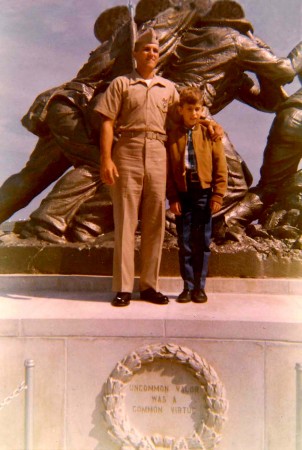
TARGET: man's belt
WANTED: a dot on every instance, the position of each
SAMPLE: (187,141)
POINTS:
(145,135)
(192,176)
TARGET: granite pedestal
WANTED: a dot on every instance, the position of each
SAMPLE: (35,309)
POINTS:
(249,332)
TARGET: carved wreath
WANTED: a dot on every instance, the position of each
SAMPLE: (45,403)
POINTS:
(208,434)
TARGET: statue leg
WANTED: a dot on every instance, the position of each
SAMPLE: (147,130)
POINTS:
(93,218)
(239,180)
(239,177)
(281,159)
(51,219)
(45,165)
(283,151)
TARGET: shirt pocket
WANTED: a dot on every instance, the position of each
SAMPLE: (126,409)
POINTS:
(132,100)
(163,105)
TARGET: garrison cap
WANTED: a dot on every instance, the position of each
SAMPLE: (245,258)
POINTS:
(147,37)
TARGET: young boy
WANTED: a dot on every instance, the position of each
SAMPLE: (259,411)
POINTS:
(197,181)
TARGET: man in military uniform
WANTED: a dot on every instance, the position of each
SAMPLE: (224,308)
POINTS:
(137,104)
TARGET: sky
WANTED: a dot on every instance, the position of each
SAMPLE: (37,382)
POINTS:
(43,43)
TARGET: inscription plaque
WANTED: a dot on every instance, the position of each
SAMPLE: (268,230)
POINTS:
(160,396)
(164,396)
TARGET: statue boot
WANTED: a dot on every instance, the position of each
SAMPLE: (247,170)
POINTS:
(234,222)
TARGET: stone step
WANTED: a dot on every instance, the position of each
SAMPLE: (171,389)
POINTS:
(93,283)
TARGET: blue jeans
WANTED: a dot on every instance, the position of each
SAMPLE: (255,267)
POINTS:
(194,229)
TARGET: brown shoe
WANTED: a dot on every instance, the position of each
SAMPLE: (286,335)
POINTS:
(184,296)
(199,296)
(152,296)
(121,299)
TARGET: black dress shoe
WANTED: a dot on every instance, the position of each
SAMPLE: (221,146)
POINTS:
(199,296)
(155,297)
(184,296)
(121,299)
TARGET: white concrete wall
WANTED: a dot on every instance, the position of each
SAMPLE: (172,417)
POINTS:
(77,339)
(69,375)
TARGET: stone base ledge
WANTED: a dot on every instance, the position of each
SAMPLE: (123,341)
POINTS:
(27,283)
(97,260)
(84,311)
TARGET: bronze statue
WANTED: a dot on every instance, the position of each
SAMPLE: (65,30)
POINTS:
(58,114)
(207,45)
(60,214)
(276,200)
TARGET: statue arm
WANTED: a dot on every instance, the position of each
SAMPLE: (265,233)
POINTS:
(295,57)
(103,58)
(99,62)
(260,60)
(170,25)
(34,119)
(264,96)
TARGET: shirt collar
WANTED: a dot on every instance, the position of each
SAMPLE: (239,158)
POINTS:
(187,129)
(136,78)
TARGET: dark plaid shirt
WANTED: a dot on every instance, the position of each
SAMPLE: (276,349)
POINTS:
(190,155)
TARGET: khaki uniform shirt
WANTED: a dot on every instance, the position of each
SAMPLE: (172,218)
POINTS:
(128,101)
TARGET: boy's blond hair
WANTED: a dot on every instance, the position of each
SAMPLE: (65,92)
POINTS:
(190,95)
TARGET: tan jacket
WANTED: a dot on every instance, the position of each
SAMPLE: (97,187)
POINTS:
(210,158)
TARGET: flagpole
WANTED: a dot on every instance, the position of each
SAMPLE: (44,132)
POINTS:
(133,29)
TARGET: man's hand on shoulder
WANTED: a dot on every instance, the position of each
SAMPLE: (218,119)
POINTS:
(215,206)
(215,130)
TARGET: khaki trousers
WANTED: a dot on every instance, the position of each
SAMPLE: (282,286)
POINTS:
(139,190)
